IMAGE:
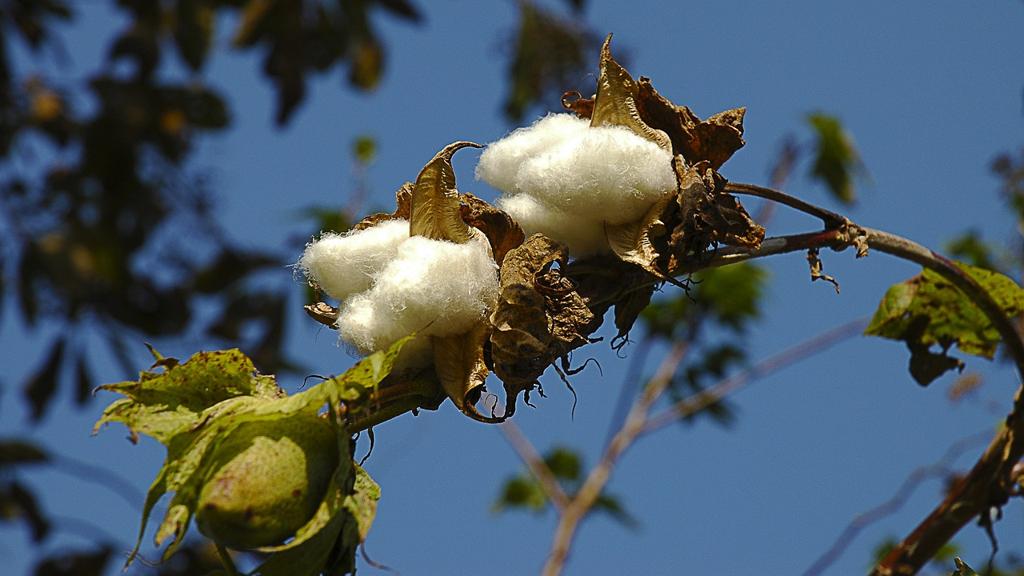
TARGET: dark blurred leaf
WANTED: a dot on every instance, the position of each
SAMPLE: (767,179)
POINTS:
(28,302)
(1011,170)
(193,30)
(228,268)
(521,492)
(75,564)
(732,294)
(564,463)
(836,161)
(729,296)
(367,63)
(19,503)
(577,5)
(927,310)
(402,8)
(613,507)
(140,45)
(83,380)
(40,387)
(364,149)
(550,56)
(970,248)
(328,219)
(15,452)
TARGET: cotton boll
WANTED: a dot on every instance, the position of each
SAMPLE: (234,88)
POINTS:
(500,162)
(583,236)
(605,174)
(431,287)
(436,287)
(344,264)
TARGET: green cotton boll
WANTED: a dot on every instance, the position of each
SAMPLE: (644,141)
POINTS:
(268,481)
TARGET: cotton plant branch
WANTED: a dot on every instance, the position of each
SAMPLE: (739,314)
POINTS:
(938,469)
(535,463)
(581,503)
(988,485)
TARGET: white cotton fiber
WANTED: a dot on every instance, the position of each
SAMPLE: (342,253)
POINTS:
(606,173)
(344,264)
(566,180)
(431,287)
(501,160)
(582,235)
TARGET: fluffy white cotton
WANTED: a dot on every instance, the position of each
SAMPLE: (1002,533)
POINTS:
(605,174)
(499,165)
(582,235)
(431,287)
(344,264)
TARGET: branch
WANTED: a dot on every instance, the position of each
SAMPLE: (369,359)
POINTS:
(592,487)
(988,485)
(700,401)
(535,463)
(893,504)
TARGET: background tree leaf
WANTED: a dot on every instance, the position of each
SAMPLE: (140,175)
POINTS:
(836,160)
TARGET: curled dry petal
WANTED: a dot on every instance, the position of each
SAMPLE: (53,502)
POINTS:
(713,140)
(459,364)
(434,211)
(615,104)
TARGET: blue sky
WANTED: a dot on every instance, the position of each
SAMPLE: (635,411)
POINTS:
(931,92)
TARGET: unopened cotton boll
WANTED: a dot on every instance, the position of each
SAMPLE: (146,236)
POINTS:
(431,287)
(500,162)
(344,264)
(583,236)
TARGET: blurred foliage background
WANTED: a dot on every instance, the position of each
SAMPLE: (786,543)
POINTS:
(98,179)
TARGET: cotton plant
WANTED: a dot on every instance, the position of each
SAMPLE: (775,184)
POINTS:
(427,273)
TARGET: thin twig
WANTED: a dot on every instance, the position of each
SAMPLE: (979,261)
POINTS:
(592,487)
(938,469)
(831,219)
(702,400)
(535,463)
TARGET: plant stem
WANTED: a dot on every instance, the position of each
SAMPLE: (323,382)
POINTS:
(592,487)
(225,559)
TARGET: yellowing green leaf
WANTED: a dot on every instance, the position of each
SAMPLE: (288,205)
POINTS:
(928,310)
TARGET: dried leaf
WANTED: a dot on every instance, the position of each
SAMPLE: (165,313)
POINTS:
(615,104)
(435,205)
(501,230)
(713,140)
(459,363)
(707,215)
(539,316)
(635,242)
(403,208)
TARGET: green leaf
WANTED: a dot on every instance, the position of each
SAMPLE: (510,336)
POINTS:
(928,310)
(564,463)
(193,408)
(162,403)
(836,161)
(730,295)
(364,149)
(521,492)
